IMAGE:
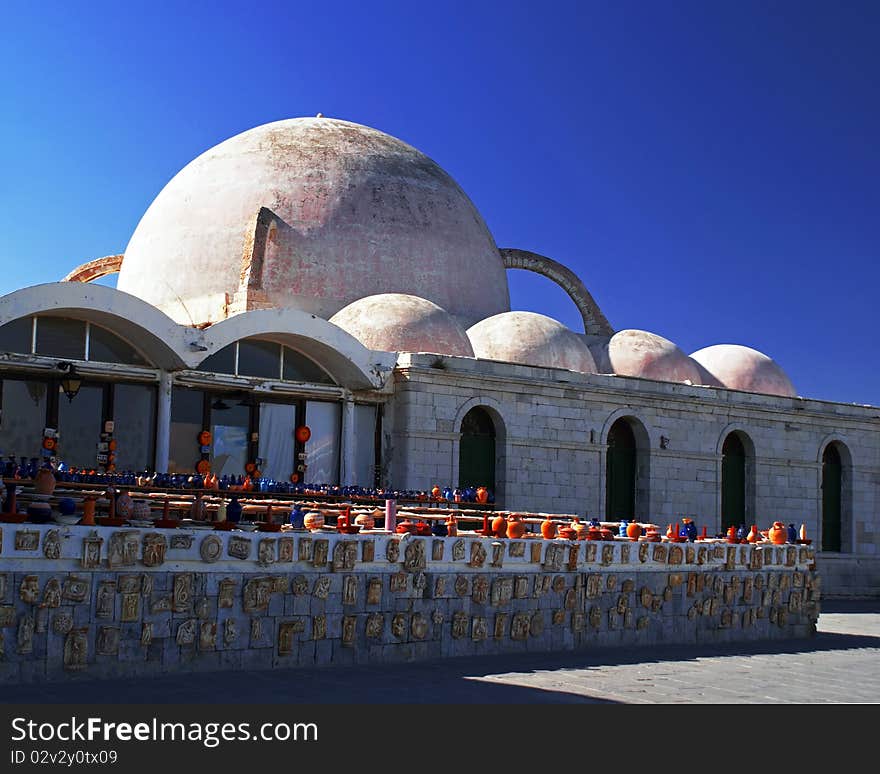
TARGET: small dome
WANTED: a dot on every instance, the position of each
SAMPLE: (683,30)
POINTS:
(742,368)
(649,356)
(396,322)
(530,339)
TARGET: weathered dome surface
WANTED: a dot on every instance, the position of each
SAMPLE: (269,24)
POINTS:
(531,339)
(742,368)
(346,211)
(649,356)
(396,322)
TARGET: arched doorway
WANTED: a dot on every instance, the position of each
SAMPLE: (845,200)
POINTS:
(476,452)
(733,482)
(832,478)
(620,472)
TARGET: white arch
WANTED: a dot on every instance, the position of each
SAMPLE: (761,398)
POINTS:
(348,361)
(160,339)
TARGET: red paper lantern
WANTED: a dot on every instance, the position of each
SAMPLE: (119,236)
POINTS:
(303,434)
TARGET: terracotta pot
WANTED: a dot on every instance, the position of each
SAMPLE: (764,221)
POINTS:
(633,530)
(423,528)
(778,534)
(499,527)
(313,520)
(44,482)
(580,529)
(436,493)
(365,520)
(482,494)
(567,533)
(124,506)
(754,536)
(516,527)
(88,517)
(652,535)
(594,533)
(451,527)
(548,529)
(731,535)
(606,534)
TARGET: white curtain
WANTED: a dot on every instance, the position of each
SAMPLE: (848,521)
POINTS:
(364,445)
(277,423)
(322,449)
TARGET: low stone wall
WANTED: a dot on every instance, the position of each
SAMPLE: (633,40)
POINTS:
(103,602)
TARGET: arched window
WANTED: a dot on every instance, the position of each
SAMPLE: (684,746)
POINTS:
(265,359)
(620,472)
(476,453)
(832,491)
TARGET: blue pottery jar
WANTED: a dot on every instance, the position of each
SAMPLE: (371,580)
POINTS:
(623,525)
(792,534)
(439,528)
(233,510)
(296,517)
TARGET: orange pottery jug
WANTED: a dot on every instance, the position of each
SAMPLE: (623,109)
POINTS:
(580,529)
(778,533)
(754,536)
(482,494)
(88,517)
(633,530)
(548,529)
(516,527)
(313,521)
(499,527)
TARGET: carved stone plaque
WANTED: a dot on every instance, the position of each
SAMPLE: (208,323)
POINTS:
(62,621)
(91,551)
(458,550)
(398,625)
(226,593)
(344,555)
(207,635)
(182,596)
(437,550)
(52,545)
(320,552)
(305,549)
(478,554)
(239,547)
(183,542)
(122,549)
(27,540)
(459,625)
(519,627)
(349,630)
(480,589)
(257,592)
(29,591)
(414,555)
(479,629)
(375,626)
(154,549)
(105,599)
(210,549)
(107,641)
(392,551)
(266,551)
(349,590)
(285,549)
(76,645)
(502,591)
(319,627)
(186,632)
(368,550)
(322,587)
(374,591)
(131,607)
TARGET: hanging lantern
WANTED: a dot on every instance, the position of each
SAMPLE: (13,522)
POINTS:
(303,433)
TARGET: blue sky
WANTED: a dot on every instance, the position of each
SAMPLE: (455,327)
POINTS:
(710,170)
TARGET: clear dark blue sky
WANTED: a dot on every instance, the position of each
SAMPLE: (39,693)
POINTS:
(710,169)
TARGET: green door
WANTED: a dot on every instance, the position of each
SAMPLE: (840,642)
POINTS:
(831,478)
(733,482)
(476,454)
(620,473)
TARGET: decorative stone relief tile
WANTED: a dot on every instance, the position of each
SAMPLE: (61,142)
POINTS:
(230,632)
(480,589)
(392,551)
(594,586)
(622,604)
(319,627)
(701,555)
(437,550)
(211,549)
(76,645)
(502,591)
(186,632)
(730,558)
(202,608)
(625,553)
(266,551)
(146,635)
(91,550)
(479,629)
(607,554)
(25,634)
(52,545)
(256,631)
(462,585)
(374,591)
(646,597)
(643,553)
(418,626)
(675,555)
(772,580)
(105,599)
(701,582)
(320,552)
(458,550)
(226,593)
(419,581)
(238,547)
(790,556)
(107,641)
(154,549)
(612,619)
(718,585)
(208,635)
(628,586)
(667,594)
(41,619)
(285,549)
(161,605)
(459,625)
(287,631)
(727,594)
(29,591)
(517,548)
(578,621)
(521,587)
(181,542)
(497,554)
(590,552)
(4,583)
(657,604)
(542,585)
(570,600)
(397,582)
(553,558)
(414,555)
(131,607)
(349,590)
(349,630)
(691,584)
(27,540)
(573,555)
(147,585)
(535,552)
(344,555)
(478,554)
(718,552)
(375,626)
(797,579)
(305,549)
(182,595)
(62,621)
(321,589)
(628,619)
(500,626)
(300,585)
(690,554)
(558,617)
(558,583)
(257,592)
(519,627)
(610,582)
(440,586)
(368,551)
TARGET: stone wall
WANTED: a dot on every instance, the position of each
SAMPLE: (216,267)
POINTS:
(81,602)
(552,440)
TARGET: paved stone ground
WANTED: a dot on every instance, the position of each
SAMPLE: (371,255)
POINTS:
(840,665)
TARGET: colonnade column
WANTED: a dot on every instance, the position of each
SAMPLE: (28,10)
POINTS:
(348,442)
(163,422)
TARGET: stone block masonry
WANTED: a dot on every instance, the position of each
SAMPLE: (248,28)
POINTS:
(73,606)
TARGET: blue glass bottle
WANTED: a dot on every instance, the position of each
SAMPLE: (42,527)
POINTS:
(792,534)
(296,516)
(233,510)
